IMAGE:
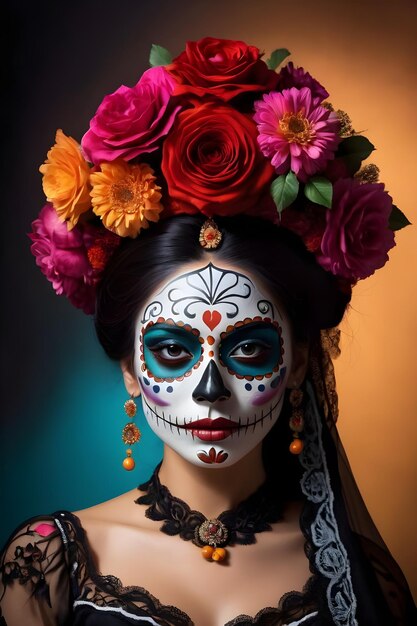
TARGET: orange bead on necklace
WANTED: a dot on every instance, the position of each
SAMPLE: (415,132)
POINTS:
(237,526)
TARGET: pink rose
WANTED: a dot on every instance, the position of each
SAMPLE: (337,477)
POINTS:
(62,257)
(357,236)
(132,120)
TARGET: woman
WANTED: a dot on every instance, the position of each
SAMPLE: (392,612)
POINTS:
(220,325)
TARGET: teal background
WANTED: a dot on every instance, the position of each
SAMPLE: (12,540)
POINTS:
(61,445)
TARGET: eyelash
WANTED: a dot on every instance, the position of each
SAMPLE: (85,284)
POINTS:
(169,360)
(159,347)
(250,358)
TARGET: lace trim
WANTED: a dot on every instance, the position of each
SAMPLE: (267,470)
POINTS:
(331,559)
(242,619)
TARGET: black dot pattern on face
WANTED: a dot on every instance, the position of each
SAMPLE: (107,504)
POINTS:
(146,381)
(261,387)
(156,388)
(248,387)
(170,389)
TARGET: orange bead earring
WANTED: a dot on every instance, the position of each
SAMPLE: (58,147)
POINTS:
(130,434)
(296,420)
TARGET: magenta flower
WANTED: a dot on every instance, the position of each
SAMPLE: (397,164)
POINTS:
(357,237)
(62,257)
(291,76)
(295,133)
(132,120)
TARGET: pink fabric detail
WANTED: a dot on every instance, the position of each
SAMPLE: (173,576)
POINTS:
(45,529)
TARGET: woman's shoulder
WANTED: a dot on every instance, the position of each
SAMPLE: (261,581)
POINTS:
(34,565)
(114,511)
(37,536)
(102,523)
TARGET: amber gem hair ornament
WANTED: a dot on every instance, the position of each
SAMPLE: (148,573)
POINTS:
(130,433)
(210,235)
(219,130)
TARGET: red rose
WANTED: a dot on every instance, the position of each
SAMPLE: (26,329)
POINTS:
(212,162)
(221,67)
(308,223)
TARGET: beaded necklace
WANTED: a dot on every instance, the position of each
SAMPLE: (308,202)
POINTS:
(236,526)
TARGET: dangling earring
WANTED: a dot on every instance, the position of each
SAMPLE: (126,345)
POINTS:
(296,420)
(130,434)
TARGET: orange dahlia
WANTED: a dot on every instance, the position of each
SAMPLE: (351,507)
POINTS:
(66,179)
(125,197)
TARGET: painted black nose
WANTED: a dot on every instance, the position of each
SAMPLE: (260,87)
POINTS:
(211,386)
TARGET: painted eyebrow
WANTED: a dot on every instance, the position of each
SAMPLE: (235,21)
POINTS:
(250,326)
(171,328)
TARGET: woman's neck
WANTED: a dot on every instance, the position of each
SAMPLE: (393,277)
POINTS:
(212,490)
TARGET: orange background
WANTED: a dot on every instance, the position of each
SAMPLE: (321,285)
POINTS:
(364,53)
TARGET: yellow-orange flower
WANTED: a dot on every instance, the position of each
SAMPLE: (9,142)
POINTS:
(125,197)
(66,179)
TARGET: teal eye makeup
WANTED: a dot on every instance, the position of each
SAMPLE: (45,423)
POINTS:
(170,351)
(252,350)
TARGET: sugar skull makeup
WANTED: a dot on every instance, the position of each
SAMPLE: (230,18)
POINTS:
(212,357)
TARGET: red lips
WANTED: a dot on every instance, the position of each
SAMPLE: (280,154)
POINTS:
(208,429)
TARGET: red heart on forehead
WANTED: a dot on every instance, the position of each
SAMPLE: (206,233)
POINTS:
(211,318)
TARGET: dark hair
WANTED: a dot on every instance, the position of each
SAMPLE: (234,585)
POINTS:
(311,296)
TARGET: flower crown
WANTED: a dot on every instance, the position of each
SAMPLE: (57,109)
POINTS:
(218,131)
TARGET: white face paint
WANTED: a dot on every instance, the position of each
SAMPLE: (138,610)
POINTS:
(212,356)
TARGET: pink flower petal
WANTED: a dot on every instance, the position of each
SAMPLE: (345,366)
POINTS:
(132,120)
(62,257)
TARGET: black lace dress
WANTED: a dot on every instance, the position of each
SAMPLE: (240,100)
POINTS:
(49,577)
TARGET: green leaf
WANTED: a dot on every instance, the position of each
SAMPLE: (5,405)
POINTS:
(397,219)
(284,190)
(353,150)
(277,58)
(159,56)
(319,190)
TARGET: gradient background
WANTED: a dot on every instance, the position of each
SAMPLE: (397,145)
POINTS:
(63,401)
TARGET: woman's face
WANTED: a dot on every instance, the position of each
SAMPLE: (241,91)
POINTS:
(212,356)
